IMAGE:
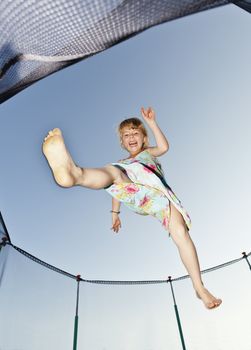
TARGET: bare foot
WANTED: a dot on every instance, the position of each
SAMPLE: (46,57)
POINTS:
(63,168)
(208,299)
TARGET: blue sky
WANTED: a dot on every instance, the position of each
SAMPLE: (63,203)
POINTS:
(194,72)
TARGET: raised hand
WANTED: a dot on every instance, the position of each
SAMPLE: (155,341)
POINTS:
(148,115)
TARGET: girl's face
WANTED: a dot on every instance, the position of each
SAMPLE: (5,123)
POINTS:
(132,140)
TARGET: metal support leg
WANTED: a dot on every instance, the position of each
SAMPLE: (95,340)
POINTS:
(177,315)
(75,338)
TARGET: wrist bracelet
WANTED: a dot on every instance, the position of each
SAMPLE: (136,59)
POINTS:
(113,211)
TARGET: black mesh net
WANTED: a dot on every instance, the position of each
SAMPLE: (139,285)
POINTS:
(40,37)
(246,5)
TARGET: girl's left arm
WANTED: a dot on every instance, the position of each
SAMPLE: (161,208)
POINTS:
(162,144)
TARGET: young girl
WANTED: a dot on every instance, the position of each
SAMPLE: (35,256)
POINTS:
(138,182)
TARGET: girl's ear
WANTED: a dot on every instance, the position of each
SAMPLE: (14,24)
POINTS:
(145,142)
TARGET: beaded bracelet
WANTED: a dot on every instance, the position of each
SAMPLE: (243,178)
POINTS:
(113,211)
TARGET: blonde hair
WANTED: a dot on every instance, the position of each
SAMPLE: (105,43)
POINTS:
(133,123)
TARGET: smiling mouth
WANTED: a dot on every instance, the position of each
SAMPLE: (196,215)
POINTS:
(133,143)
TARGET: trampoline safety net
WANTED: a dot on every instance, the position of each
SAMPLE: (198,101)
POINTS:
(40,37)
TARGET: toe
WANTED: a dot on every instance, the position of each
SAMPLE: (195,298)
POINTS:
(214,304)
(56,131)
(210,305)
(218,302)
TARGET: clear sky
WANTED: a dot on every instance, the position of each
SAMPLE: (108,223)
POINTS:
(195,73)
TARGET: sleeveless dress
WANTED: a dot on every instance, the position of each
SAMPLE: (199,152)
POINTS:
(148,193)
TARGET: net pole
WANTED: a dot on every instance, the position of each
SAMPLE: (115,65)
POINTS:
(246,258)
(75,336)
(177,315)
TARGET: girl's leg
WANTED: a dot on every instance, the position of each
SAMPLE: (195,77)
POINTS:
(188,254)
(67,173)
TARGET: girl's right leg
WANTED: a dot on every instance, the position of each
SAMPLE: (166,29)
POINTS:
(67,173)
(188,254)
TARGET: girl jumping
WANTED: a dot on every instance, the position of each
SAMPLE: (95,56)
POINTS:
(138,182)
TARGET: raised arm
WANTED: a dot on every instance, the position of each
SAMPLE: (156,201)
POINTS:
(162,144)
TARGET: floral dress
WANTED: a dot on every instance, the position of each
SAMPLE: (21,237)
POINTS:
(148,193)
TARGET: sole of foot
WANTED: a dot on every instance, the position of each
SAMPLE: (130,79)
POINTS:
(58,158)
